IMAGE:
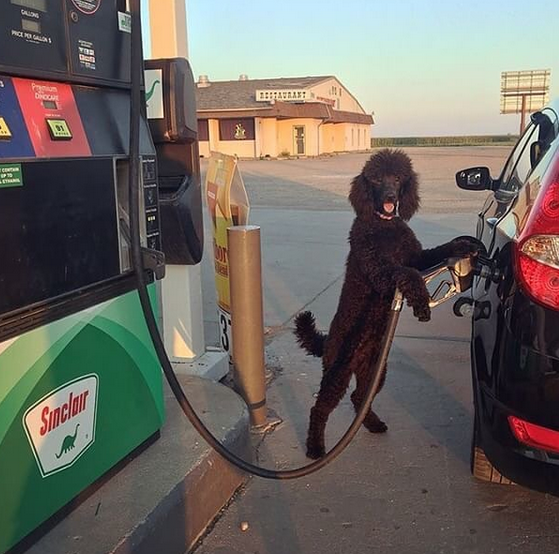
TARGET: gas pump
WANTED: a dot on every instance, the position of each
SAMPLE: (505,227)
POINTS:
(80,383)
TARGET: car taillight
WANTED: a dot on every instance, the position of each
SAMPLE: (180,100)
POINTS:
(537,247)
(534,435)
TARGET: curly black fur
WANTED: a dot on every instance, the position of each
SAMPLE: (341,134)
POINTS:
(384,253)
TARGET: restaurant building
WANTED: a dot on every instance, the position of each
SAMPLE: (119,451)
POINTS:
(297,116)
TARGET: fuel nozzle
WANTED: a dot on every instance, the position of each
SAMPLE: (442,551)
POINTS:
(462,271)
(459,278)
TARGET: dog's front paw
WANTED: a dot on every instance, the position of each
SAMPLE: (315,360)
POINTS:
(423,312)
(462,248)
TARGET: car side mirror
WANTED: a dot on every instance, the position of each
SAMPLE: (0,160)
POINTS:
(474,178)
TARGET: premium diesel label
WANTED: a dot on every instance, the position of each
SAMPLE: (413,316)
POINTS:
(61,426)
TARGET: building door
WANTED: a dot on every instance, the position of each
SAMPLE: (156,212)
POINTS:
(299,139)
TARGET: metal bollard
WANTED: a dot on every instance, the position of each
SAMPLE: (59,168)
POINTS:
(247,319)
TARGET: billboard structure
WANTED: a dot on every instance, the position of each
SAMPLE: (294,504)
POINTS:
(524,91)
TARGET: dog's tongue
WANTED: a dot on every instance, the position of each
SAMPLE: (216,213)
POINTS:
(389,207)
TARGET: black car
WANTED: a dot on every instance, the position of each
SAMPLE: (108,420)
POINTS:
(515,312)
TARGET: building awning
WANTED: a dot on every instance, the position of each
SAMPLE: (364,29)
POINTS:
(292,110)
(351,117)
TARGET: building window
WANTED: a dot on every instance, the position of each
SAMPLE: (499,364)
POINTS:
(203,129)
(236,129)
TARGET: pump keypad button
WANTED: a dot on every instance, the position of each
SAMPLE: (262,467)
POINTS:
(59,129)
(5,133)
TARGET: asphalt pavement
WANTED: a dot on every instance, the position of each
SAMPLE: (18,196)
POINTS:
(410,490)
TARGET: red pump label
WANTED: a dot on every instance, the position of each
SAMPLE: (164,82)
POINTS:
(52,119)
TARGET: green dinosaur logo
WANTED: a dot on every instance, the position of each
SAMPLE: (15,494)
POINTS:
(61,425)
(151,91)
(68,443)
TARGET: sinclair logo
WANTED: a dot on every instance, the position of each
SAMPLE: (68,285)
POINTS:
(61,426)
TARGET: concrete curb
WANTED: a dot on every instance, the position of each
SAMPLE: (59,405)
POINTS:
(182,516)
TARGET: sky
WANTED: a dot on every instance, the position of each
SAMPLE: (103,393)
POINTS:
(423,67)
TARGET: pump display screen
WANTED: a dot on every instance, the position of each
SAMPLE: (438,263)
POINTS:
(31,26)
(40,5)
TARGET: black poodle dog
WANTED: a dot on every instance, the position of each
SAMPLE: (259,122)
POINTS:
(384,254)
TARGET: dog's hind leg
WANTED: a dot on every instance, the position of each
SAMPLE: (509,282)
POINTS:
(372,422)
(332,389)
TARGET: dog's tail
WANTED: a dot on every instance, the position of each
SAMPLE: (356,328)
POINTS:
(307,334)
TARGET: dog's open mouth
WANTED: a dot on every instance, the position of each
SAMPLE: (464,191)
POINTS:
(388,210)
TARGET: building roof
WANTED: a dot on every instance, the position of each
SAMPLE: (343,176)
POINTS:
(234,95)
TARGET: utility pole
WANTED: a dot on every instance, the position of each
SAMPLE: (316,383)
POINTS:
(523,115)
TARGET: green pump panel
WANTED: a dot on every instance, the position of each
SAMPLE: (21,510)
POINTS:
(80,385)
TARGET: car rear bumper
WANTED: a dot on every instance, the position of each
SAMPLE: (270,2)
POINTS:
(524,382)
(536,469)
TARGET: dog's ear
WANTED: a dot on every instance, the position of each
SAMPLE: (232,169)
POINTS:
(409,197)
(358,196)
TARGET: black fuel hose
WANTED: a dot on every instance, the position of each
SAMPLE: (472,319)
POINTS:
(142,284)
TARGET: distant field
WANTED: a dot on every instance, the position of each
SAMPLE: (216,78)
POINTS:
(472,140)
